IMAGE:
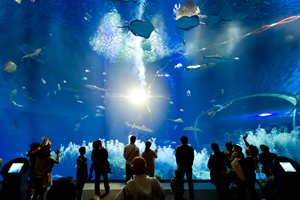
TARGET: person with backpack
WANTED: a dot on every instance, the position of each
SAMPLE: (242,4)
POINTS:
(130,152)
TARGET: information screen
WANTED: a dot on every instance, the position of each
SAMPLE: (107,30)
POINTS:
(15,168)
(287,166)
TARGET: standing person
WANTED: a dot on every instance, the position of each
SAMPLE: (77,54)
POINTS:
(177,185)
(216,165)
(149,155)
(32,154)
(99,158)
(82,173)
(184,159)
(142,187)
(44,165)
(265,159)
(130,152)
(249,166)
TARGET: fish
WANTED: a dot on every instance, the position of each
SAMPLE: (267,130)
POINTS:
(87,70)
(84,78)
(13,94)
(216,57)
(70,89)
(178,65)
(171,102)
(54,93)
(297,96)
(43,81)
(10,67)
(79,101)
(48,94)
(65,81)
(191,128)
(182,40)
(196,67)
(140,28)
(181,110)
(175,127)
(27,49)
(176,120)
(188,93)
(220,108)
(99,115)
(57,176)
(18,1)
(236,58)
(76,97)
(35,53)
(101,107)
(16,123)
(140,127)
(84,117)
(93,87)
(17,104)
(58,87)
(23,88)
(121,1)
(29,98)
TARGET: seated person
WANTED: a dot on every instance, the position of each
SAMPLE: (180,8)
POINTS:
(268,187)
(142,186)
(63,188)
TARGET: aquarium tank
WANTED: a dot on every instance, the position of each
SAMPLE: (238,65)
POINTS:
(78,71)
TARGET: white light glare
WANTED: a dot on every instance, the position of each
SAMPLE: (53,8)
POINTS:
(138,96)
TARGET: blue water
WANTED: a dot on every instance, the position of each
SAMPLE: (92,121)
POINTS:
(81,44)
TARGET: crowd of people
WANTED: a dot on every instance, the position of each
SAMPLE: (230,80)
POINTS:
(227,167)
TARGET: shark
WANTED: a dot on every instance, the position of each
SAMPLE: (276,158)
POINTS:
(13,94)
(121,1)
(191,128)
(27,50)
(35,53)
(176,120)
(99,115)
(93,87)
(29,97)
(196,67)
(143,128)
(216,58)
(219,108)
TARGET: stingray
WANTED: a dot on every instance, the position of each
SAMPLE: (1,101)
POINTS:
(140,28)
(187,16)
(297,96)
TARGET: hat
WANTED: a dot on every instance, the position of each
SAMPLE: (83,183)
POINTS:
(139,165)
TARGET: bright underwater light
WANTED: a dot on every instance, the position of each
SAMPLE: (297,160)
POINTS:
(265,114)
(138,96)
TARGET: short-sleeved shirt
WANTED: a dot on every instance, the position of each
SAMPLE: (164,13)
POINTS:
(177,186)
(130,152)
(82,171)
(149,156)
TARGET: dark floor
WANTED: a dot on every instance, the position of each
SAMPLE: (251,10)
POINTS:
(203,191)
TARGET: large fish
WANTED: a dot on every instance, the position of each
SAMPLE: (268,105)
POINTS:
(216,57)
(140,28)
(35,53)
(219,108)
(10,67)
(191,128)
(93,87)
(176,120)
(196,67)
(13,94)
(27,49)
(143,128)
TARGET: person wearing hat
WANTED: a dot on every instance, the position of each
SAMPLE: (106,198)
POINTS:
(265,159)
(142,186)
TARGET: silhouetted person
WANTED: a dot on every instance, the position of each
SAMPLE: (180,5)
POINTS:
(268,187)
(177,185)
(216,165)
(130,152)
(82,173)
(99,158)
(265,159)
(184,159)
(44,165)
(149,155)
(63,189)
(249,166)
